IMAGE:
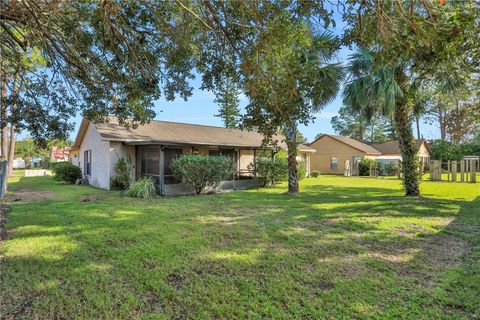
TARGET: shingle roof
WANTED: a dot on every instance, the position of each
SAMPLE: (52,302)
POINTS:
(364,147)
(393,147)
(184,133)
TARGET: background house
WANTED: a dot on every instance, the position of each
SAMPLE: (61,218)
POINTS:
(332,151)
(59,154)
(391,151)
(153,146)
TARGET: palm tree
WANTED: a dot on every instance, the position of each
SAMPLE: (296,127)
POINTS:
(295,77)
(374,88)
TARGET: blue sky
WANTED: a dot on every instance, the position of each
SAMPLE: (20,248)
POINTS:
(200,108)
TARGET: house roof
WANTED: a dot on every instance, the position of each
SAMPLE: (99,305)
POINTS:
(390,147)
(393,147)
(165,132)
(364,147)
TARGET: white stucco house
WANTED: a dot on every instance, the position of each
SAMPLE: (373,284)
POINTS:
(151,148)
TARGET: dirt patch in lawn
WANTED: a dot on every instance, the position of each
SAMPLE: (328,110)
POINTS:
(29,194)
(175,280)
(435,256)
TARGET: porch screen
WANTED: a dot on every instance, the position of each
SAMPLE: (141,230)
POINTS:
(232,155)
(169,155)
(149,159)
(228,153)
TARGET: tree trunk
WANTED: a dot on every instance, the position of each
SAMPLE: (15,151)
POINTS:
(408,147)
(3,120)
(417,120)
(291,141)
(11,148)
(441,122)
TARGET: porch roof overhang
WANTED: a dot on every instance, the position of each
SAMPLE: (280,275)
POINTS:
(188,144)
(301,148)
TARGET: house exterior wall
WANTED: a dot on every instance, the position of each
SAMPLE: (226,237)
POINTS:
(245,159)
(327,148)
(424,154)
(100,167)
(119,150)
(75,158)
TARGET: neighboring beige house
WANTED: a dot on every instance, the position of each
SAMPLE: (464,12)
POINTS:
(391,151)
(333,151)
(153,146)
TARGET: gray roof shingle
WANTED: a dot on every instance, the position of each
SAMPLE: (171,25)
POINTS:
(184,133)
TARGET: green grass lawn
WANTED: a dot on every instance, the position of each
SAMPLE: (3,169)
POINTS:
(343,248)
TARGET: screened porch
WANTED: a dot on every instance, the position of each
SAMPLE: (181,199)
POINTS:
(154,161)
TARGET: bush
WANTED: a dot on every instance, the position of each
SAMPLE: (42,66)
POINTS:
(390,169)
(67,172)
(143,188)
(426,168)
(301,170)
(269,172)
(122,173)
(445,150)
(365,164)
(200,172)
(52,165)
(315,174)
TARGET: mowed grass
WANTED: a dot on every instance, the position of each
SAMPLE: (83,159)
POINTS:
(343,248)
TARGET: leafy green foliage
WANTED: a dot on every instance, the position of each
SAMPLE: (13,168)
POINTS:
(269,171)
(391,97)
(122,173)
(28,149)
(302,170)
(315,174)
(228,100)
(200,171)
(306,79)
(143,188)
(367,164)
(352,123)
(67,172)
(446,150)
(113,58)
(390,169)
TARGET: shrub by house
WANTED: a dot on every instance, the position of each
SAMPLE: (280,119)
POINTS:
(270,171)
(201,172)
(67,172)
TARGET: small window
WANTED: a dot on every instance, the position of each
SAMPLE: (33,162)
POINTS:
(333,163)
(87,160)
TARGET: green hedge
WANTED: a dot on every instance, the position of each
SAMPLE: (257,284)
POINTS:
(65,171)
(315,174)
(200,171)
(269,171)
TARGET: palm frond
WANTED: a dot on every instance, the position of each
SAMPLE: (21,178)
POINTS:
(371,88)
